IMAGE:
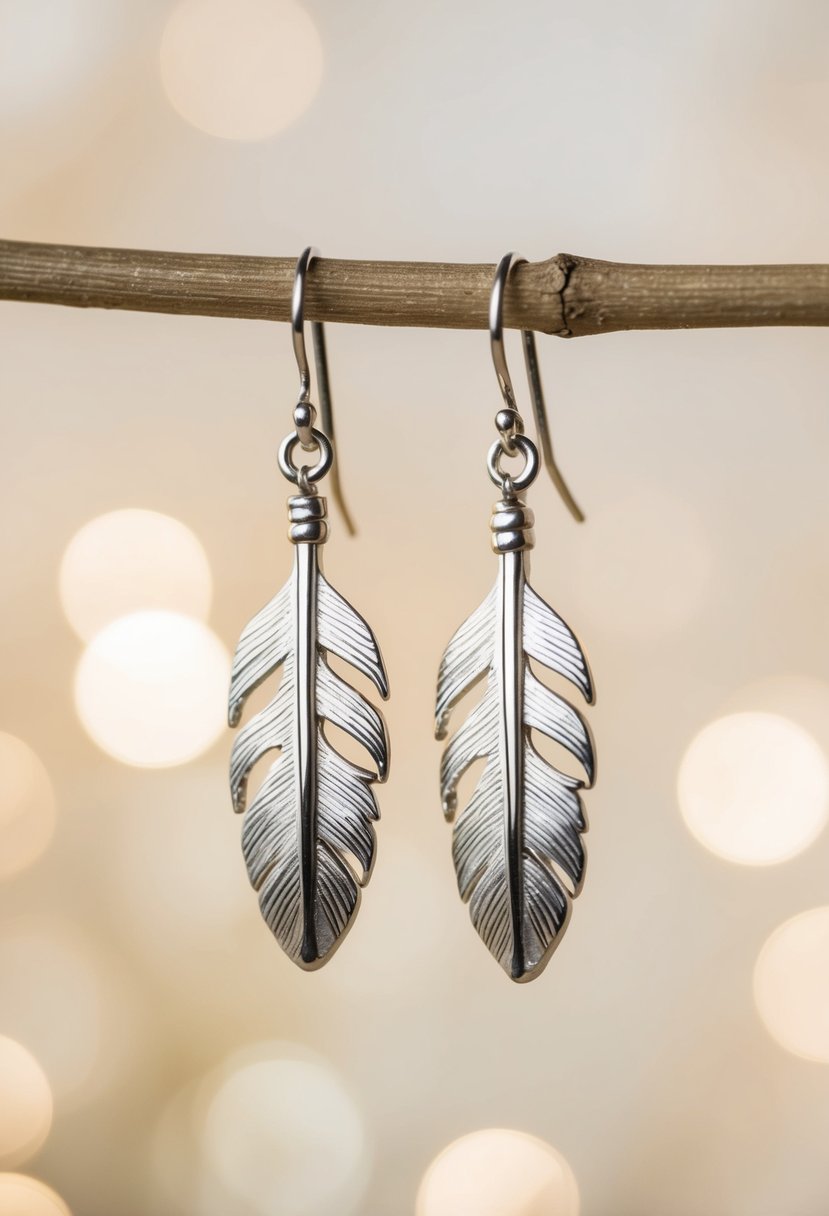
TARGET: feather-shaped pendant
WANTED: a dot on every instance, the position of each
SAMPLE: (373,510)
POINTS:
(517,845)
(308,837)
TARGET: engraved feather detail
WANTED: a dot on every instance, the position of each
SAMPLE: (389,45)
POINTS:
(308,836)
(517,844)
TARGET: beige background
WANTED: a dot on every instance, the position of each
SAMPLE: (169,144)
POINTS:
(638,131)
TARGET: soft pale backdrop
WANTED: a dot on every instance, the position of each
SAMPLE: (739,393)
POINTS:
(192,1070)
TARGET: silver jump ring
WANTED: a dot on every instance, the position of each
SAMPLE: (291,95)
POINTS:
(518,481)
(304,475)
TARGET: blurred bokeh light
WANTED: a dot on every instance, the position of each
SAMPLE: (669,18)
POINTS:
(803,699)
(42,973)
(69,1004)
(27,806)
(24,1196)
(754,788)
(241,69)
(150,688)
(129,561)
(791,985)
(283,1133)
(25,1103)
(498,1172)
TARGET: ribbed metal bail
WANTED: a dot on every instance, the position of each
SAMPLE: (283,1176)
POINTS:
(511,526)
(307,519)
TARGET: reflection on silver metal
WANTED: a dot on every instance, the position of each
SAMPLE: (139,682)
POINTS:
(499,358)
(308,836)
(520,445)
(323,382)
(517,844)
(305,476)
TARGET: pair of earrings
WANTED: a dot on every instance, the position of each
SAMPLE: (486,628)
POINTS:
(308,836)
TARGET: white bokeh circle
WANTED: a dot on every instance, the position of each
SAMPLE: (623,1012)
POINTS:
(241,69)
(281,1130)
(791,985)
(151,689)
(25,1103)
(27,806)
(754,788)
(498,1172)
(21,1195)
(128,561)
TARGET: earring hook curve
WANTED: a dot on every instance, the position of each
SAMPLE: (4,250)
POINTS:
(499,358)
(323,382)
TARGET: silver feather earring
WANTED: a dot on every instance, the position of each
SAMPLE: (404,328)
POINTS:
(308,837)
(517,844)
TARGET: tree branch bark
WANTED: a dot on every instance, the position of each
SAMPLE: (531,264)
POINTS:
(566,295)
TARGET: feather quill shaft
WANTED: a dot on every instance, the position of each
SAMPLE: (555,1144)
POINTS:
(511,688)
(305,615)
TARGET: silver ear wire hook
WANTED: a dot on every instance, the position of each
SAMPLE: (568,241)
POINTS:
(304,418)
(511,418)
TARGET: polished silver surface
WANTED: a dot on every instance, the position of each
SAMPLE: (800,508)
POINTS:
(520,445)
(499,359)
(302,475)
(323,381)
(308,836)
(517,844)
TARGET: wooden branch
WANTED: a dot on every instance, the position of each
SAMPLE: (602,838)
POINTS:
(565,295)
